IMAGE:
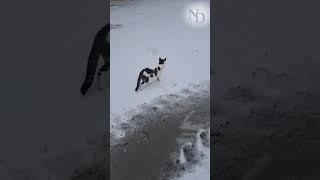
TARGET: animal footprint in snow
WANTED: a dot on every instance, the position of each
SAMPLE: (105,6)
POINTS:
(187,153)
(203,137)
(190,153)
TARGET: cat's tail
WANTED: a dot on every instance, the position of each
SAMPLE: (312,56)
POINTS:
(96,50)
(91,70)
(138,83)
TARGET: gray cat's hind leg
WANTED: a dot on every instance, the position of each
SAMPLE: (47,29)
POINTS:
(99,84)
(101,70)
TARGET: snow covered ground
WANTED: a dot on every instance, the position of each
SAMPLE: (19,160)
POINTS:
(152,29)
(147,30)
(170,124)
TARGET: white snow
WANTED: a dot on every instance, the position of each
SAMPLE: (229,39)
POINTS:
(153,29)
(201,170)
(182,157)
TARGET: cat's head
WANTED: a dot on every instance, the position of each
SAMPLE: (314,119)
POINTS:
(162,61)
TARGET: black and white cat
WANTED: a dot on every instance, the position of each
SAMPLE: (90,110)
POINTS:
(147,75)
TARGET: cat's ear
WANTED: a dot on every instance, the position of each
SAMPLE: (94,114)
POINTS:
(165,59)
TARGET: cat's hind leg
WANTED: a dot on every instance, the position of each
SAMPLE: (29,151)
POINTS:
(145,81)
(106,54)
(103,69)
